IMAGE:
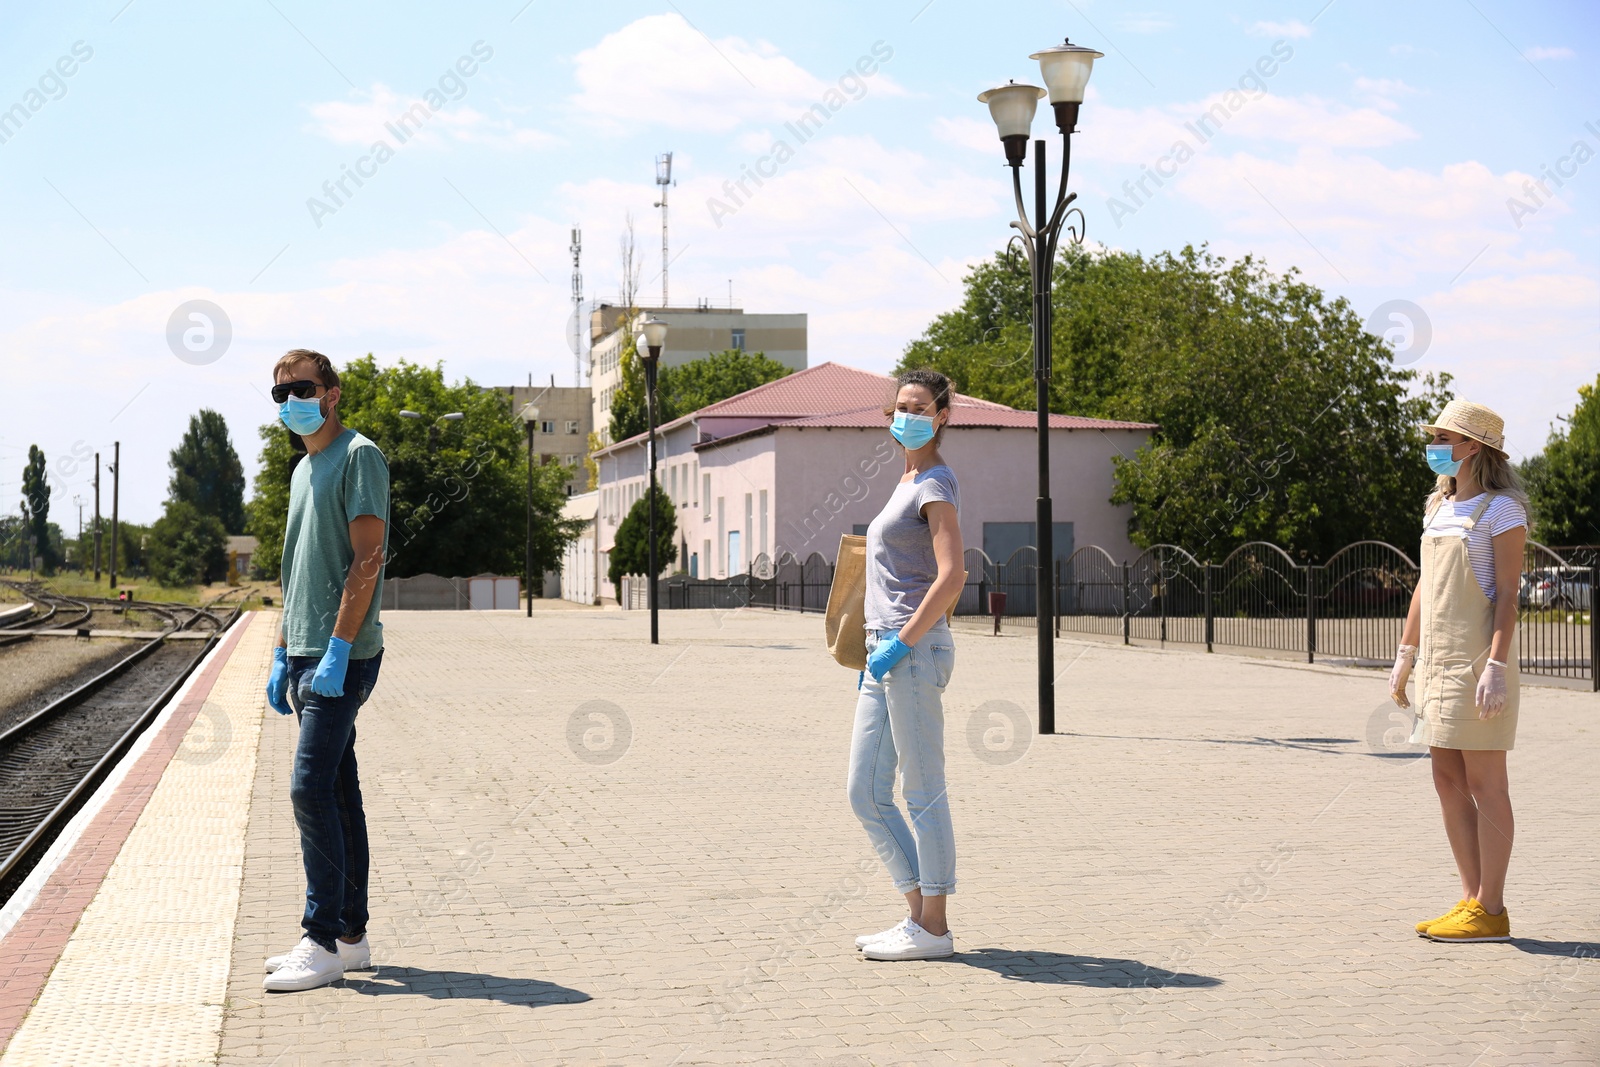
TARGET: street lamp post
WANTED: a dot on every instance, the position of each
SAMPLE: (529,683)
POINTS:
(1066,69)
(530,419)
(433,427)
(655,336)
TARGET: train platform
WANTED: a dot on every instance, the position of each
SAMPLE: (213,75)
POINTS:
(589,849)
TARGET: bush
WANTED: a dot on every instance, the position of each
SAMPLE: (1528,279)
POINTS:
(185,547)
(631,553)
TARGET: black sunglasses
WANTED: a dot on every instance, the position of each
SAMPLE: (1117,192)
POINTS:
(303,389)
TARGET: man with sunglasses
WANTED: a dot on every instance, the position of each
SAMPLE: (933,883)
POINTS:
(330,645)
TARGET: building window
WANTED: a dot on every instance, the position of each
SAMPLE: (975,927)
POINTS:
(706,492)
(761,545)
(738,339)
(546,426)
(572,425)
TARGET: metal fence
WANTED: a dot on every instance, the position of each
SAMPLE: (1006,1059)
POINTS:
(1351,608)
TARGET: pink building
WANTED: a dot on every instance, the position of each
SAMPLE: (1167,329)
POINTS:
(791,465)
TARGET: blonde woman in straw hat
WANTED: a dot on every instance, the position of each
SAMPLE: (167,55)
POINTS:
(1460,635)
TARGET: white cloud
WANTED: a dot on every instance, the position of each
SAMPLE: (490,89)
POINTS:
(1144,135)
(1349,220)
(1294,28)
(1382,91)
(704,84)
(1553,52)
(1520,343)
(377,112)
(976,134)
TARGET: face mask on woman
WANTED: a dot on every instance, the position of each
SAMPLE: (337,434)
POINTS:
(910,430)
(1440,460)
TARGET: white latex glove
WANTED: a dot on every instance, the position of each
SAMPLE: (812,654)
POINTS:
(1404,660)
(1492,690)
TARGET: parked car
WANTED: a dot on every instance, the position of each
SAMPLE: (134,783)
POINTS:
(1565,588)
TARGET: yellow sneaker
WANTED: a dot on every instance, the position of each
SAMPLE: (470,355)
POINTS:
(1422,927)
(1472,923)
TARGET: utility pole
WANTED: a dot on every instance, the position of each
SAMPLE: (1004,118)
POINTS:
(116,484)
(97,518)
(78,500)
(578,325)
(663,179)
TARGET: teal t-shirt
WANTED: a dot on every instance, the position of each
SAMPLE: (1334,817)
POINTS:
(348,478)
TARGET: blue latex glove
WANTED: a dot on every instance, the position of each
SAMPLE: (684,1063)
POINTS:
(328,680)
(885,656)
(278,682)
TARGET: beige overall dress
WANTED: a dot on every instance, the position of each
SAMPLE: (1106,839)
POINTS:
(1457,629)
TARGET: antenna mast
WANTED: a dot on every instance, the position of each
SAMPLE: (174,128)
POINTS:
(663,179)
(578,325)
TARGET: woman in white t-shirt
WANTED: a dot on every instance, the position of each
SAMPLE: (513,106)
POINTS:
(1463,620)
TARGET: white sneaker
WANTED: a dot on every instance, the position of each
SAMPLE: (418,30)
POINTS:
(307,967)
(866,939)
(356,957)
(911,943)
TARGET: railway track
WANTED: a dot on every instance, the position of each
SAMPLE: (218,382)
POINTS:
(52,761)
(22,629)
(77,613)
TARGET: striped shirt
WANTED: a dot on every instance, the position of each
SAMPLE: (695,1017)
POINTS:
(1502,514)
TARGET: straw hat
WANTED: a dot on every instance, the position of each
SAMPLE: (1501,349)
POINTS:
(1474,421)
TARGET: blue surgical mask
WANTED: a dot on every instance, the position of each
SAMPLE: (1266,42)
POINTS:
(913,431)
(304,417)
(1439,460)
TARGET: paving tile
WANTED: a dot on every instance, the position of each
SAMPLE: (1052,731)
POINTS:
(588,849)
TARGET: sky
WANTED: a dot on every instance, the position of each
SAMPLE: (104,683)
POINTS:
(1433,162)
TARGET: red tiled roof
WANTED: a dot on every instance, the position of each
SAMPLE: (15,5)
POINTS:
(831,394)
(820,390)
(970,411)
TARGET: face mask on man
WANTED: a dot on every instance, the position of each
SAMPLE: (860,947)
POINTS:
(304,417)
(1440,460)
(910,430)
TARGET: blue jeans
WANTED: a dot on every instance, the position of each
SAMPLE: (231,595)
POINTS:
(327,800)
(900,720)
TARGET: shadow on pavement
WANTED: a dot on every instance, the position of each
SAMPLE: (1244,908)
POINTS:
(1059,968)
(462,985)
(1575,949)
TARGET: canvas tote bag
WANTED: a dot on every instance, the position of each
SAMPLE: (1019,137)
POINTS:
(846,621)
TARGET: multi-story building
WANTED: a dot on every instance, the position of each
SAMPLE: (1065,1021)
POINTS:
(561,434)
(693,333)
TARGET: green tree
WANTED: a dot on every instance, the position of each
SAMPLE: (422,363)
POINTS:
(1280,418)
(132,539)
(13,542)
(1564,480)
(457,490)
(686,387)
(206,471)
(36,491)
(186,546)
(631,552)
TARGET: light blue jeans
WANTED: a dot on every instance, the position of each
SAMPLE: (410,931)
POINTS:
(900,721)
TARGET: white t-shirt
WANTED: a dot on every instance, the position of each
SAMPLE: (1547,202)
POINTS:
(1502,514)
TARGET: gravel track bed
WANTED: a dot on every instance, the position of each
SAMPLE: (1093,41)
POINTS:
(33,673)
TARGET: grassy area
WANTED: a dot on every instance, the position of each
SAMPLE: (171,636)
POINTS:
(73,584)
